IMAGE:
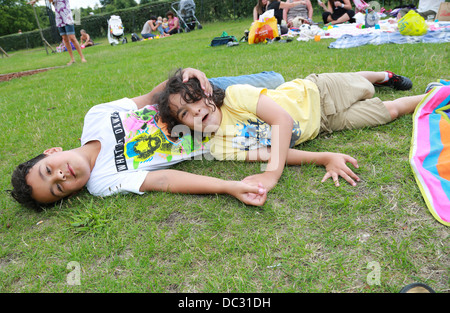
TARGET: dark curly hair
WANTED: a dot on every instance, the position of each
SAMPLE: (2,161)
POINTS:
(21,190)
(190,91)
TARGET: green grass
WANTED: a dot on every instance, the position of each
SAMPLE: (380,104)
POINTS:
(308,237)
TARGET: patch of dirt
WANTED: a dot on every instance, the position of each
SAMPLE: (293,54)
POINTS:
(9,76)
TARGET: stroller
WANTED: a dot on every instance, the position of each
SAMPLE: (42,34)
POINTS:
(115,31)
(185,10)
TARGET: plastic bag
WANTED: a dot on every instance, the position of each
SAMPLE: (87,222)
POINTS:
(412,24)
(260,31)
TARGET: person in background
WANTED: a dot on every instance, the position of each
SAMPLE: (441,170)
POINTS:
(150,26)
(174,23)
(66,28)
(165,24)
(426,9)
(278,7)
(337,12)
(303,11)
(259,9)
(85,39)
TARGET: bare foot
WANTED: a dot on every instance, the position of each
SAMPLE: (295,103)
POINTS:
(71,62)
(83,60)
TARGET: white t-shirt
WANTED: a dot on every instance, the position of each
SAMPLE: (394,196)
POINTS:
(146,29)
(132,143)
(425,5)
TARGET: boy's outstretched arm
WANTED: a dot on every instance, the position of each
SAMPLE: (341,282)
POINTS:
(334,163)
(281,132)
(182,182)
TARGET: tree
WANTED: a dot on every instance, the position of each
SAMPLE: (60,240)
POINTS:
(111,5)
(17,14)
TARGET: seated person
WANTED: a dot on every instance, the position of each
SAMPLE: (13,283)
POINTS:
(302,11)
(174,23)
(426,8)
(259,9)
(85,39)
(337,12)
(278,7)
(150,26)
(165,24)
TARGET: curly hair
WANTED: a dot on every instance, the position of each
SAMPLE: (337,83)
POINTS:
(190,91)
(21,190)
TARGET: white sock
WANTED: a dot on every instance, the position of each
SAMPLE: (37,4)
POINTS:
(386,77)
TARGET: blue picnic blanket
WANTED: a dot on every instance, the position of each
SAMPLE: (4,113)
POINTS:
(351,41)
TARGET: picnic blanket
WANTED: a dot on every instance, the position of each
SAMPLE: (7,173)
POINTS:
(430,151)
(348,36)
(351,41)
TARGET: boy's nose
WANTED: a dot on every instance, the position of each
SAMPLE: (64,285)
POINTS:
(196,110)
(60,175)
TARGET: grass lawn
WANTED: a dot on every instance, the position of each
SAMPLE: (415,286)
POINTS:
(308,237)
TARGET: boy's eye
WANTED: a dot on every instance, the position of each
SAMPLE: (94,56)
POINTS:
(183,114)
(59,187)
(48,170)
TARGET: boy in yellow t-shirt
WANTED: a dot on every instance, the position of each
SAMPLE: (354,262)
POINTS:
(257,124)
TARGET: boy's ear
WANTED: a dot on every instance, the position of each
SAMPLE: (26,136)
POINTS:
(53,150)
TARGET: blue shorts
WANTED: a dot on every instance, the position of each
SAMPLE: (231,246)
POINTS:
(67,30)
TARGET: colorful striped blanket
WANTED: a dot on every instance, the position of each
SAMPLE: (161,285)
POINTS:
(430,151)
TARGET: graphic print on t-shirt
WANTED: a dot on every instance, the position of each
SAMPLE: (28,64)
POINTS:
(257,134)
(144,138)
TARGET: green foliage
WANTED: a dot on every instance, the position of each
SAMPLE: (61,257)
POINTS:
(133,19)
(92,219)
(18,15)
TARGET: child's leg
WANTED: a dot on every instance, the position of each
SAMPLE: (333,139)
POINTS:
(74,40)
(344,18)
(397,107)
(402,106)
(161,30)
(387,79)
(373,77)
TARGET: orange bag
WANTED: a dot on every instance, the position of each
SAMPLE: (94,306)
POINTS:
(260,31)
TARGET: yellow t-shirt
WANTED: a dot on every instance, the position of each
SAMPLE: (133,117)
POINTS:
(241,130)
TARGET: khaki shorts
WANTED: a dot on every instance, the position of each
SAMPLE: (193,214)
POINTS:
(347,102)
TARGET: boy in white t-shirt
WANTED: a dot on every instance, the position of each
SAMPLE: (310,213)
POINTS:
(124,149)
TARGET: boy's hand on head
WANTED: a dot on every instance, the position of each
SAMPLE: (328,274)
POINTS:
(336,165)
(189,73)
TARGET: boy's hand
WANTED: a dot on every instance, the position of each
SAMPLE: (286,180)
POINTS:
(266,179)
(249,193)
(336,165)
(204,82)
